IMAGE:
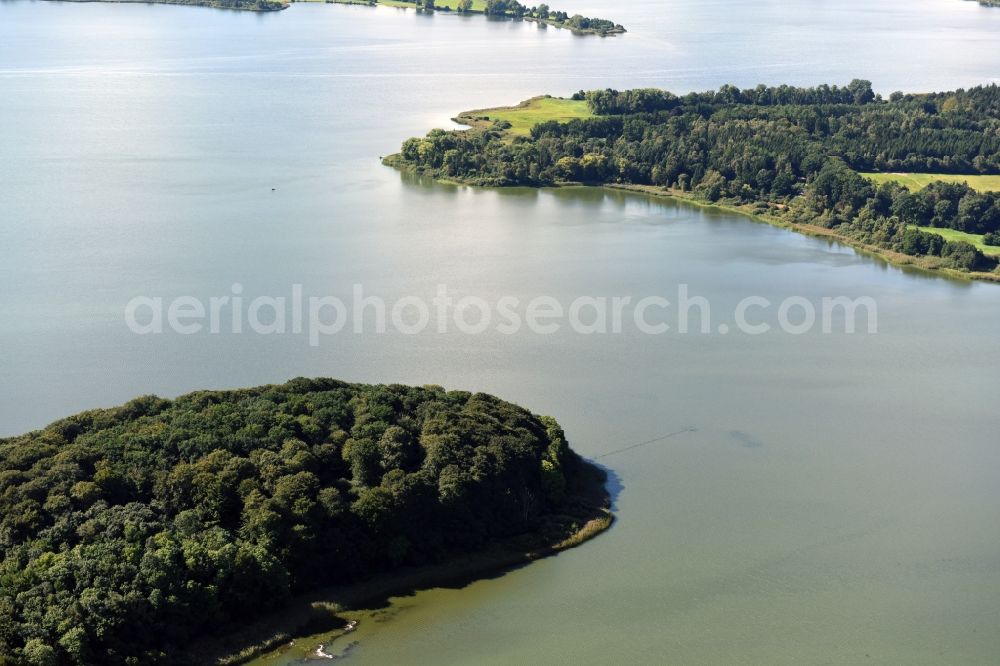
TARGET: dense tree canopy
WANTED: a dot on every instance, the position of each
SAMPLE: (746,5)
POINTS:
(795,151)
(126,532)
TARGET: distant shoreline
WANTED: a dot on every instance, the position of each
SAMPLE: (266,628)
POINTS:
(279,5)
(238,5)
(605,29)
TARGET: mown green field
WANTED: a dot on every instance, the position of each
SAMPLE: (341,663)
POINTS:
(538,110)
(477,5)
(918,181)
(975,239)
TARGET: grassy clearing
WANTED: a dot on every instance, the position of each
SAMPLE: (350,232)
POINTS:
(527,114)
(918,181)
(975,239)
(477,5)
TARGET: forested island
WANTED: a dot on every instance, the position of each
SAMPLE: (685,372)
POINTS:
(809,158)
(127,533)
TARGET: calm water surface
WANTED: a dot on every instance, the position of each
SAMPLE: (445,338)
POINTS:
(837,502)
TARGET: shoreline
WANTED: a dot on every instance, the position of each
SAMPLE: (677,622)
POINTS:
(898,259)
(927,265)
(281,5)
(586,515)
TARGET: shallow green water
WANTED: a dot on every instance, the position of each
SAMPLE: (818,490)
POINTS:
(837,502)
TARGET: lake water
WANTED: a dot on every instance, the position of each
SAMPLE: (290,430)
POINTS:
(837,501)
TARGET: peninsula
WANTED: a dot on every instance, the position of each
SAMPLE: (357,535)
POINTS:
(836,161)
(131,533)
